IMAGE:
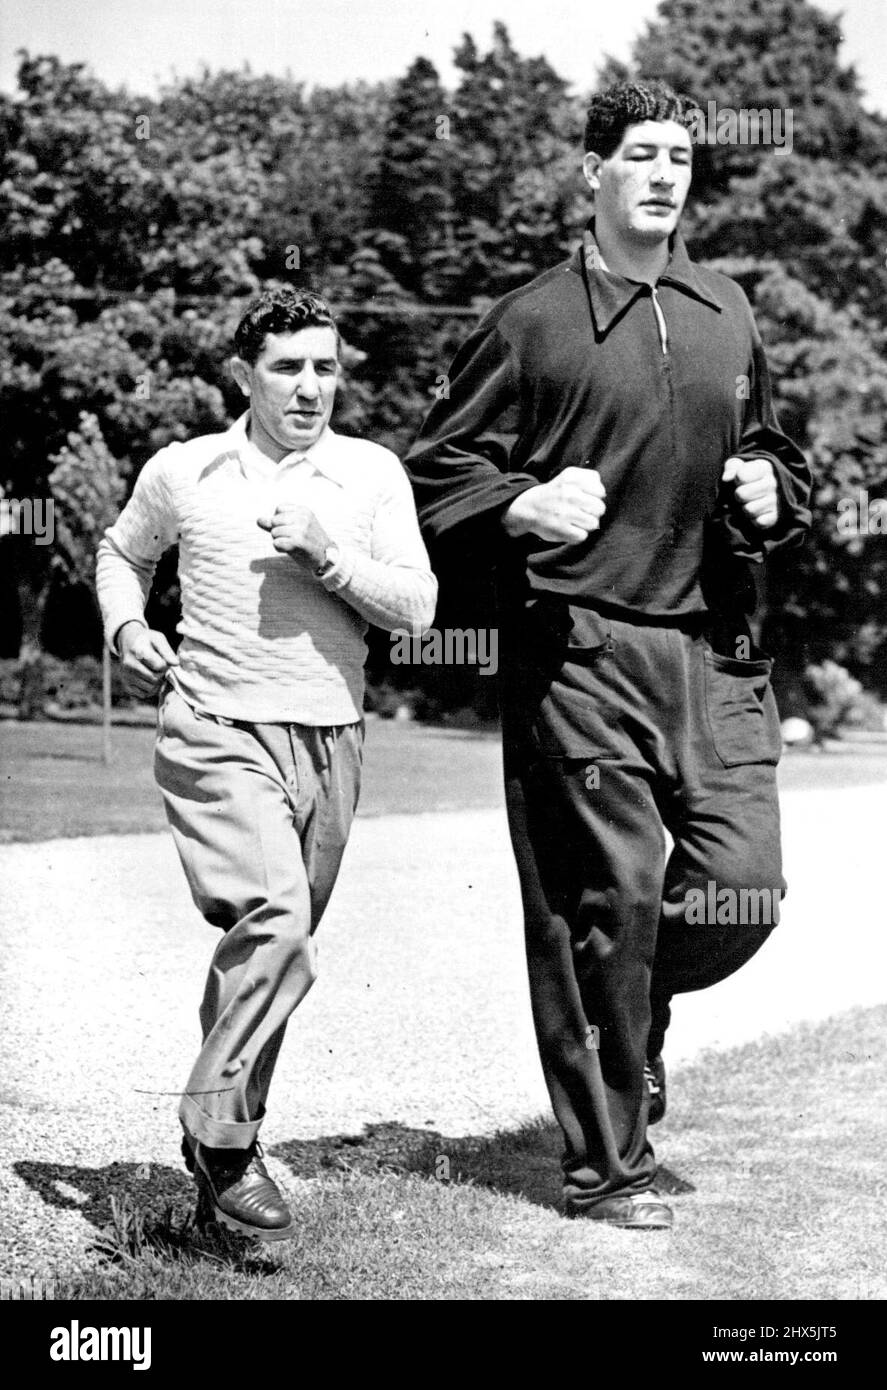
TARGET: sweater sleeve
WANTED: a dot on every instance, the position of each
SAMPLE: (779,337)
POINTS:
(459,464)
(762,438)
(130,549)
(392,586)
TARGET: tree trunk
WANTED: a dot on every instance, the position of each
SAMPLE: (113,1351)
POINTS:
(31,603)
(31,606)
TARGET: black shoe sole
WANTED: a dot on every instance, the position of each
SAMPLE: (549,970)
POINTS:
(241,1228)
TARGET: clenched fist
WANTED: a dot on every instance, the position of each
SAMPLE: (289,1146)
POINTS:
(145,658)
(296,531)
(755,489)
(566,509)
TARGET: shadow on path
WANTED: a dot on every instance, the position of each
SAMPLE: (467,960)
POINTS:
(141,1209)
(73,1187)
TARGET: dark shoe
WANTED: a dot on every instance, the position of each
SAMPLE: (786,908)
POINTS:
(635,1211)
(238,1191)
(654,1075)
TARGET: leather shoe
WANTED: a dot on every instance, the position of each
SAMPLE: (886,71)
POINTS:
(237,1188)
(634,1211)
(654,1075)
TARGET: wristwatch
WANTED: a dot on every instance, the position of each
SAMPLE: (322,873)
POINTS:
(330,558)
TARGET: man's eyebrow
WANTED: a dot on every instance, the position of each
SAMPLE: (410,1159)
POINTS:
(652,145)
(299,361)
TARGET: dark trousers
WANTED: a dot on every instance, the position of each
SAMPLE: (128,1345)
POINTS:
(614,731)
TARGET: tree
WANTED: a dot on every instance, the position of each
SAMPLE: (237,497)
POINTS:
(87,490)
(411,206)
(517,194)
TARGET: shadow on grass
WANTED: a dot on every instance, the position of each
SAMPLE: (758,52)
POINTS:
(147,1212)
(525,1162)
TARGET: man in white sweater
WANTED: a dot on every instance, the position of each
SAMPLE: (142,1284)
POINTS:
(292,539)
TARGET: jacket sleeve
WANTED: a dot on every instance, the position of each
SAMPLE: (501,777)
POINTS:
(460,463)
(762,438)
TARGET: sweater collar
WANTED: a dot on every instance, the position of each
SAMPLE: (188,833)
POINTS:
(611,295)
(322,454)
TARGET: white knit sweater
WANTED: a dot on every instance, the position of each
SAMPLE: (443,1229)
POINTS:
(263,640)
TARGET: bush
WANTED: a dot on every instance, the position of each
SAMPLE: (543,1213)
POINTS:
(835,698)
(36,683)
(385,700)
(41,685)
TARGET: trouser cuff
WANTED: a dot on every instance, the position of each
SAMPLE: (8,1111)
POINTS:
(216,1134)
(577,1200)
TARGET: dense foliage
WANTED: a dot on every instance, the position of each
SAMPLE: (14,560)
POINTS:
(135,228)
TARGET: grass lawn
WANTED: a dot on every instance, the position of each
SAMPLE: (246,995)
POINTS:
(54,783)
(773,1154)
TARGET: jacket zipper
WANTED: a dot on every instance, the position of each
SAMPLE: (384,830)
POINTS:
(660,320)
(669,386)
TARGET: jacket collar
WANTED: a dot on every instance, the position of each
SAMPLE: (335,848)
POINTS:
(611,295)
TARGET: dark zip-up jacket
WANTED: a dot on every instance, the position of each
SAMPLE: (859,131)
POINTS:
(575,369)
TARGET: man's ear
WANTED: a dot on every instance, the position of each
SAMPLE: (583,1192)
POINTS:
(591,168)
(240,371)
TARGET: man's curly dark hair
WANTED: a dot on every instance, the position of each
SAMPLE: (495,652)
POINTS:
(283,310)
(628,103)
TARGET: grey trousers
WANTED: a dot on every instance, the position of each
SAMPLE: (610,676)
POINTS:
(260,814)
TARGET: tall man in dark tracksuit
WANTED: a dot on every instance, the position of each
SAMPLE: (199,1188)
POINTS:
(608,442)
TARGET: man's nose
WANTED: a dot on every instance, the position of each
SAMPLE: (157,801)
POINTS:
(306,382)
(663,170)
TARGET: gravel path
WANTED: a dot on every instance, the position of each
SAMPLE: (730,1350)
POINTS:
(420,1014)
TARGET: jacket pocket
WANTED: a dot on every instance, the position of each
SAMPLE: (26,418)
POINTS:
(554,694)
(742,714)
